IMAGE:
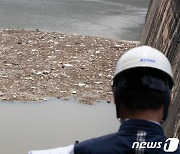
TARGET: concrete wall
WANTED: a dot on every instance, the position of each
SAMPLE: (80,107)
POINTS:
(162,31)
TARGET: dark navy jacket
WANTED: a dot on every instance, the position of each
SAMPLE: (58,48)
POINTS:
(130,131)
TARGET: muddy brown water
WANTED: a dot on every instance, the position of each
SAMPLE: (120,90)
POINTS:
(51,124)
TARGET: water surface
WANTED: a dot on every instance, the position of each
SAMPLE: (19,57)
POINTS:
(117,19)
(31,126)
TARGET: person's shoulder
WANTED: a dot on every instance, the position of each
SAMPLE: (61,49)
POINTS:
(95,143)
(99,140)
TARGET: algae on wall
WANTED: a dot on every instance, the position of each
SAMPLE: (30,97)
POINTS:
(162,31)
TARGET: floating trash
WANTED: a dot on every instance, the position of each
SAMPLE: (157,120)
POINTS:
(98,51)
(8,65)
(98,82)
(38,73)
(46,72)
(80,84)
(34,50)
(67,65)
(62,91)
(73,92)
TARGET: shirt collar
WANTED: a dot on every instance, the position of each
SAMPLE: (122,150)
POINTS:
(133,125)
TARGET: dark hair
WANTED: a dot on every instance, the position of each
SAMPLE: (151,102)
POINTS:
(135,95)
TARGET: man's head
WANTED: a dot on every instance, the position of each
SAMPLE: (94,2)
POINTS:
(142,81)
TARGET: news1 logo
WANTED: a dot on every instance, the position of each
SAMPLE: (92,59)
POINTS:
(170,145)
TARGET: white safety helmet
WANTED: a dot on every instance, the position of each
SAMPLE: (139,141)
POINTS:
(144,56)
